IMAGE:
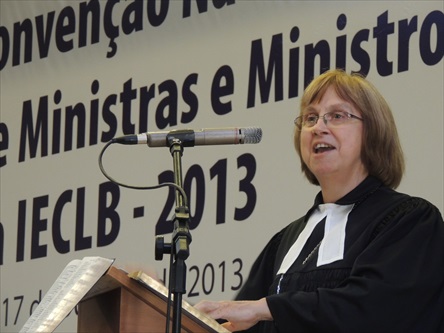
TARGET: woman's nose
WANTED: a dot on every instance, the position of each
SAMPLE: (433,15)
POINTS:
(320,126)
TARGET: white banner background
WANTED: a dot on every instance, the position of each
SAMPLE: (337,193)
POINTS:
(34,189)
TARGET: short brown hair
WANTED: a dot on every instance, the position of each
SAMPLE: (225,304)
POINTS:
(381,151)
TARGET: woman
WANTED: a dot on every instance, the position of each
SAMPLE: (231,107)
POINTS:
(364,258)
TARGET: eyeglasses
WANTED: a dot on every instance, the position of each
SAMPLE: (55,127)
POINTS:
(334,118)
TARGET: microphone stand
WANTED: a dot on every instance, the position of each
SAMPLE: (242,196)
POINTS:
(181,238)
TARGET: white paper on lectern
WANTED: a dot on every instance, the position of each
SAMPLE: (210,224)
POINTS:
(78,277)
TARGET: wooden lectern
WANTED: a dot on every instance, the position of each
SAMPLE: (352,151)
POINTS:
(118,303)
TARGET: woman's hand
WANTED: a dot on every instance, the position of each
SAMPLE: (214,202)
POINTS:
(241,315)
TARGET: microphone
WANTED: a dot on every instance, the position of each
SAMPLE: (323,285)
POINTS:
(191,138)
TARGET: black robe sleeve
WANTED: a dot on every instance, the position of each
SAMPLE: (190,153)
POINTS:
(261,274)
(260,278)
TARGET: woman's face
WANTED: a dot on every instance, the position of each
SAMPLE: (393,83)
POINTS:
(333,152)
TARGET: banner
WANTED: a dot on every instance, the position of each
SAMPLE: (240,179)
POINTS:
(74,75)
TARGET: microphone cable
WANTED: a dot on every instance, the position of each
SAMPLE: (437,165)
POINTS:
(166,184)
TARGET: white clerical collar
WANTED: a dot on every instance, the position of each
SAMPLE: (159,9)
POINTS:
(332,246)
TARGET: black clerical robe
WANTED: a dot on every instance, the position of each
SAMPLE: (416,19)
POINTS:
(390,279)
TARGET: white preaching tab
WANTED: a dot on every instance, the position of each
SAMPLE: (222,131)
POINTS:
(332,246)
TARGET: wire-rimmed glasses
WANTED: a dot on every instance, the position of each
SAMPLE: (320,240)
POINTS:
(333,118)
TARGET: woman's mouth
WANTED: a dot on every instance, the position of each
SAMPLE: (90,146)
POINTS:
(322,147)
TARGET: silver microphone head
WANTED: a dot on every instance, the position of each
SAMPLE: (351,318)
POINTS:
(251,135)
